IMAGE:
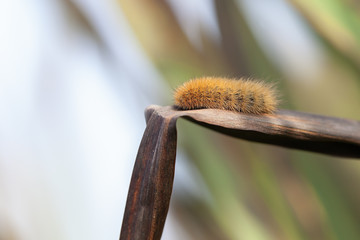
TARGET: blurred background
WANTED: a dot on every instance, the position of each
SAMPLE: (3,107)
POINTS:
(76,76)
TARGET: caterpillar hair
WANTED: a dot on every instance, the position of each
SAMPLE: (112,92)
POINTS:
(241,95)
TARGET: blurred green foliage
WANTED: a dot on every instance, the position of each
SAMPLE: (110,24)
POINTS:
(258,191)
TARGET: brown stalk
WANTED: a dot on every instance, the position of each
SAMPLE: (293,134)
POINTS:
(151,184)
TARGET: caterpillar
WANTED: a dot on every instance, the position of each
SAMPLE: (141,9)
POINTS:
(241,95)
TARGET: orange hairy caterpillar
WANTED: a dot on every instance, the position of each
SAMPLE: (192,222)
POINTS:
(239,95)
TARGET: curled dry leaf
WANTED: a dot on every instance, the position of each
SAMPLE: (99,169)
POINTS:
(153,174)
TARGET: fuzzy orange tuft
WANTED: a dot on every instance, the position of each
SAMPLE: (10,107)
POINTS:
(230,94)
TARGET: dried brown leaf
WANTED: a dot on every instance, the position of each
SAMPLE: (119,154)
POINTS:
(152,179)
